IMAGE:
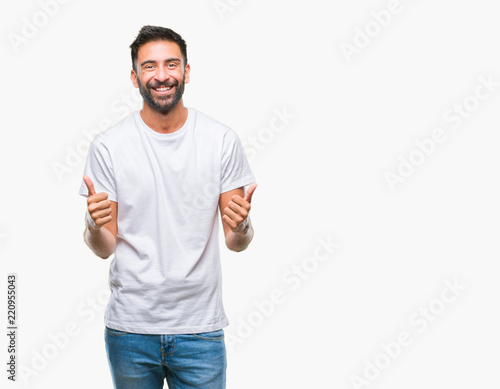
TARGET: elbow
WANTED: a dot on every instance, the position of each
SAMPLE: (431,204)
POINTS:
(103,256)
(237,249)
(105,253)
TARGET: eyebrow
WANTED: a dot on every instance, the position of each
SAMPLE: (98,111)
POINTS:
(173,59)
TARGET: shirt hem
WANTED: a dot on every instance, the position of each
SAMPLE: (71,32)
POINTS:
(162,330)
(237,184)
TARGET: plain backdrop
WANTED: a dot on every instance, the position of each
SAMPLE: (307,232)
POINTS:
(337,103)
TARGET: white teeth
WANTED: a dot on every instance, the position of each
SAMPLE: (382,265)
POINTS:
(163,89)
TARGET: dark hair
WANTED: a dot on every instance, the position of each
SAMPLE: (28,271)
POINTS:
(155,33)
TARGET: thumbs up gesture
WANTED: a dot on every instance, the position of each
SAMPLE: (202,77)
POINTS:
(98,205)
(237,210)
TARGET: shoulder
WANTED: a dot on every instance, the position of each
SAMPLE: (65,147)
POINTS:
(116,133)
(118,130)
(213,131)
(205,124)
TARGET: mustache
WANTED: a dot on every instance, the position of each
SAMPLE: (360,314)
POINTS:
(165,84)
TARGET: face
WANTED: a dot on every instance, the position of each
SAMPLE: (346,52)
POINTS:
(160,75)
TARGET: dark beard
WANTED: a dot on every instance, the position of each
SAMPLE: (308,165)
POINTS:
(162,105)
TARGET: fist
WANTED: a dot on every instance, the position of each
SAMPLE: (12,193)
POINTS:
(98,205)
(237,210)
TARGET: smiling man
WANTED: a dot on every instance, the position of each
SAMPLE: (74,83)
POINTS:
(155,184)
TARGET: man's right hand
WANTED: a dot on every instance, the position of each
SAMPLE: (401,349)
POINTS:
(98,205)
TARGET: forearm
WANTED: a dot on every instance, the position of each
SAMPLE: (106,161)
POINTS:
(100,240)
(239,241)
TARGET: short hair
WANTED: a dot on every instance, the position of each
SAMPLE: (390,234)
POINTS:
(155,33)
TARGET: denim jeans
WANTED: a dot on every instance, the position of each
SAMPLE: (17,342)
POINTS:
(140,361)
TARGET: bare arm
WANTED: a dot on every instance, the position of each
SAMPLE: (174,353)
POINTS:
(102,241)
(234,208)
(100,233)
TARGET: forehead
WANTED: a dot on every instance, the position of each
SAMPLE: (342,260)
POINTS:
(158,51)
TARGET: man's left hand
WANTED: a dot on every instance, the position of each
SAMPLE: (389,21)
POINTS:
(237,210)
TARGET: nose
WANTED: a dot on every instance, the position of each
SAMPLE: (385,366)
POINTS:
(161,74)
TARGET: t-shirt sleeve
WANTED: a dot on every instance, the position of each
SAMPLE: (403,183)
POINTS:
(235,170)
(99,168)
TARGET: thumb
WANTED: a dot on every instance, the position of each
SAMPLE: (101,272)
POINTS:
(90,185)
(250,190)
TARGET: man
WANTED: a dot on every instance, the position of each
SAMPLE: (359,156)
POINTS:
(154,182)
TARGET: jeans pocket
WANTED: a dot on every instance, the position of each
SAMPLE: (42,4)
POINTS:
(212,335)
(113,332)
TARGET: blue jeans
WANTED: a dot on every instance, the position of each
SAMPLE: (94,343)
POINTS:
(140,361)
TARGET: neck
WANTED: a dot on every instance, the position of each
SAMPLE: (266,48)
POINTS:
(164,122)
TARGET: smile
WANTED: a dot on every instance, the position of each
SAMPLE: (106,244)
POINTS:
(162,90)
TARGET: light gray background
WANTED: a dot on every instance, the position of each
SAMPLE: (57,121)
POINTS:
(321,177)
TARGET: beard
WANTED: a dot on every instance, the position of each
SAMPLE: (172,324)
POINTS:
(162,104)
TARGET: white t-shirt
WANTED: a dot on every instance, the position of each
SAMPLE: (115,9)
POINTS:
(165,277)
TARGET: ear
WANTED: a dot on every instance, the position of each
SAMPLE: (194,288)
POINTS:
(187,71)
(133,77)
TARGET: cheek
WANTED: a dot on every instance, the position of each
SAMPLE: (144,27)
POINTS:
(146,79)
(177,75)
